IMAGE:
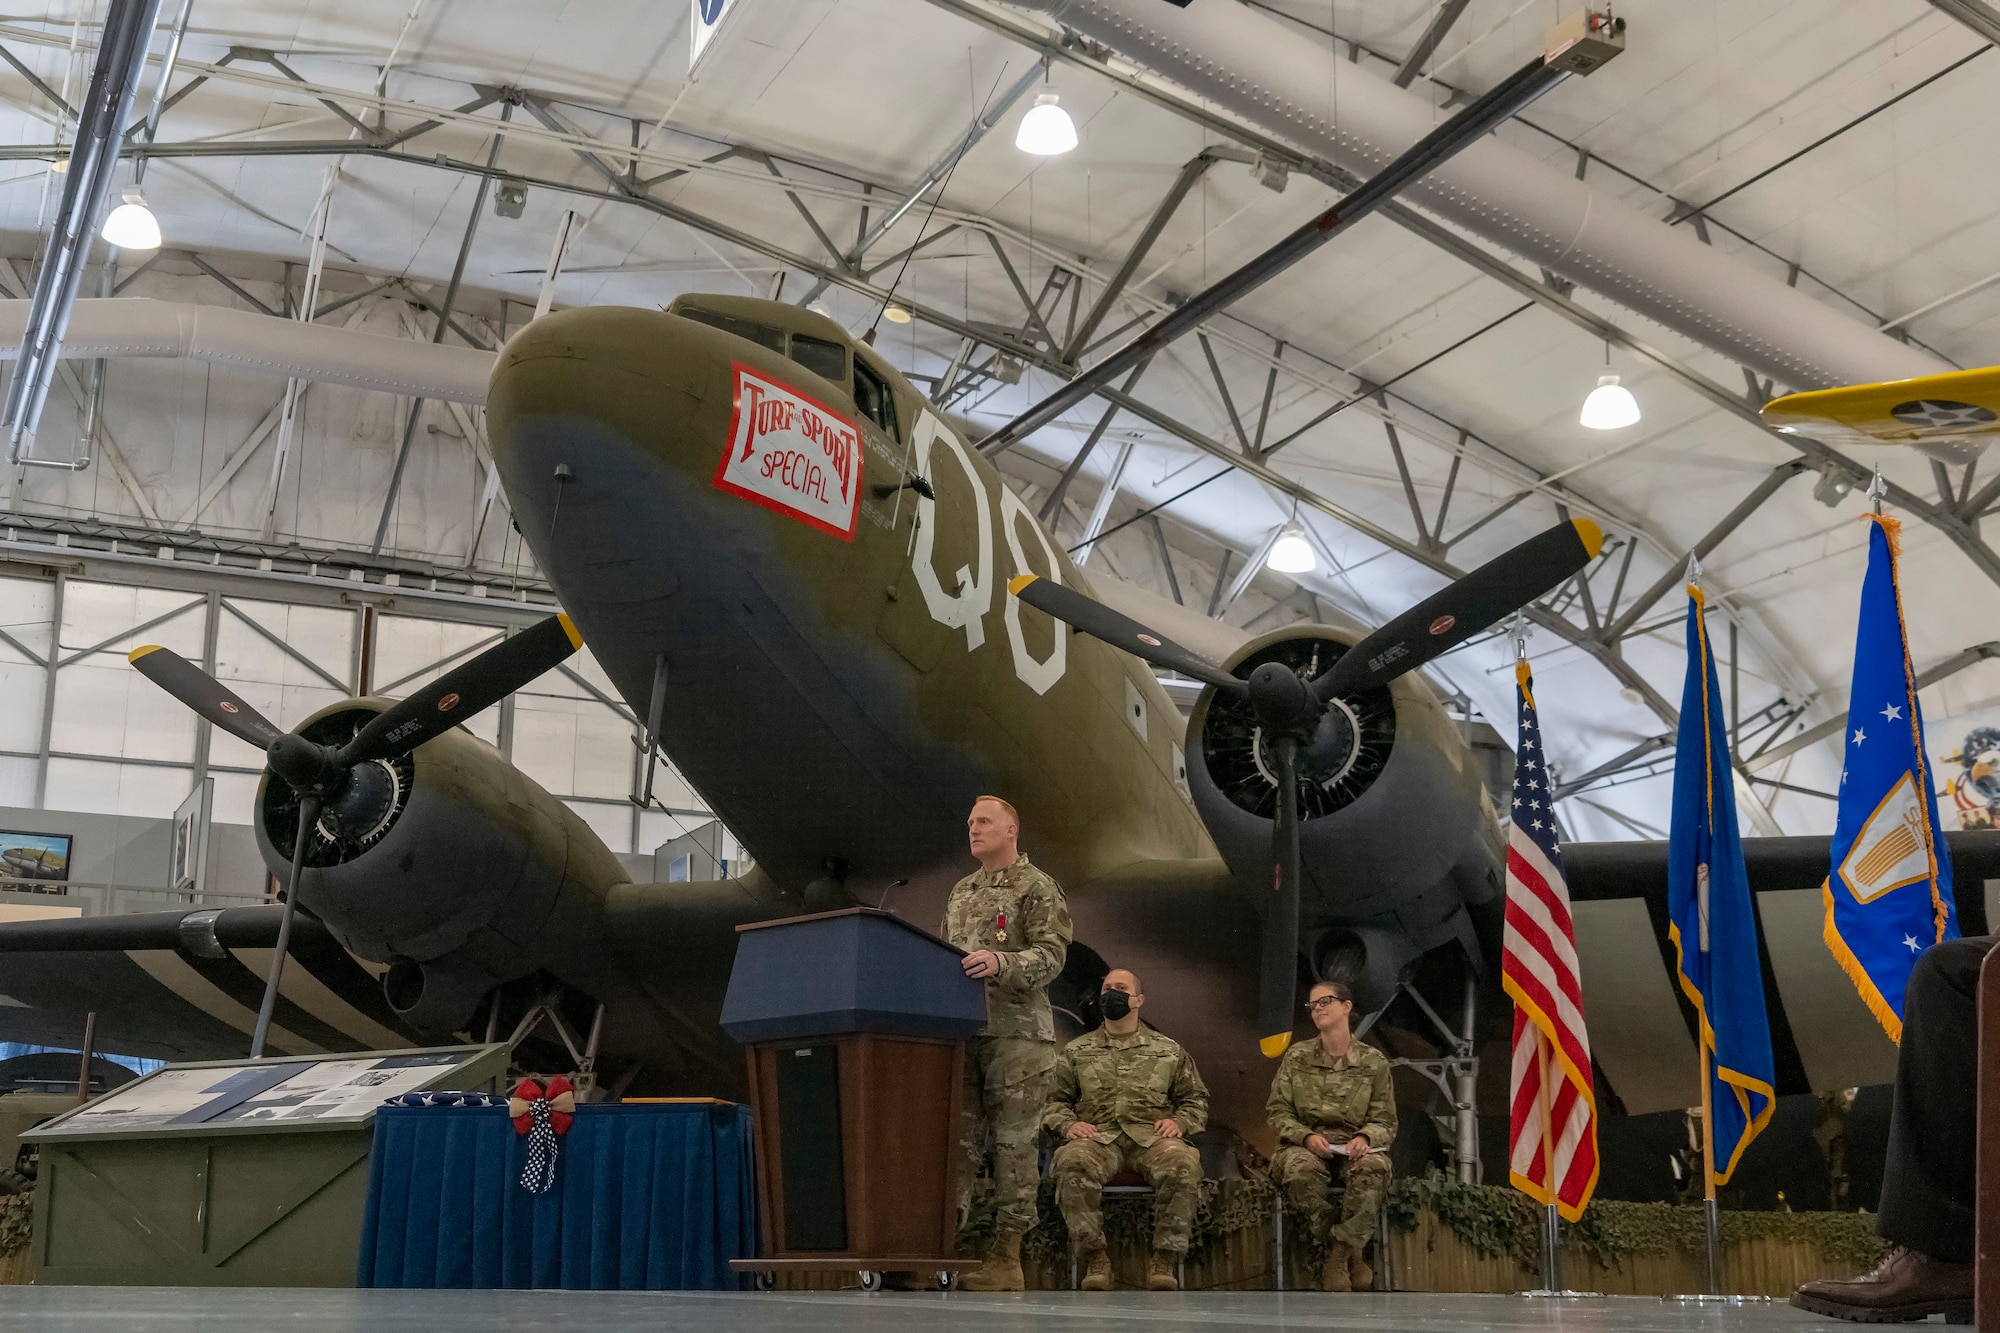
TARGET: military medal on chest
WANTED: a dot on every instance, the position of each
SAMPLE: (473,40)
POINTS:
(1000,927)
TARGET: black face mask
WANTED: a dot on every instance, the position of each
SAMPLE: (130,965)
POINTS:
(1114,1004)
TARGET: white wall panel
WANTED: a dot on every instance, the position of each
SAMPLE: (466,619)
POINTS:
(612,823)
(235,797)
(406,644)
(117,789)
(574,747)
(25,607)
(272,680)
(105,707)
(17,781)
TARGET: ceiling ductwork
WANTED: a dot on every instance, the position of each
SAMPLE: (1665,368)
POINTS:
(136,327)
(1261,71)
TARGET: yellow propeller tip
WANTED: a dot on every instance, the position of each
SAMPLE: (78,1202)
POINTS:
(138,653)
(1276,1044)
(1019,582)
(1590,534)
(569,628)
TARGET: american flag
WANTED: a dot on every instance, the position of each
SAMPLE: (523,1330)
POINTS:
(1539,973)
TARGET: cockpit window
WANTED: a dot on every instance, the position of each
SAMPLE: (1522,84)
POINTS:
(872,397)
(826,359)
(761,334)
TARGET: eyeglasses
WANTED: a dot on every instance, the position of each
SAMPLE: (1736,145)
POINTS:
(1314,1006)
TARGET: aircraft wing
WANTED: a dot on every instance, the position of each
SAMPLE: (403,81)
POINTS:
(1642,1027)
(1952,415)
(186,985)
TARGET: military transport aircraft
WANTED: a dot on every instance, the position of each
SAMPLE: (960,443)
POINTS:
(836,618)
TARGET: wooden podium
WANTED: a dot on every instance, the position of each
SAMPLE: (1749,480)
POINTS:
(855,1025)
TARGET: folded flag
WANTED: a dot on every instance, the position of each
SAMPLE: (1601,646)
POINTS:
(1888,896)
(1711,920)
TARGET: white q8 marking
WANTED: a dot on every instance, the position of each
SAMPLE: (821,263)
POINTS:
(975,590)
(968,607)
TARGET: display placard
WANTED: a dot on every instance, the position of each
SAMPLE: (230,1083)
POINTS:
(328,1091)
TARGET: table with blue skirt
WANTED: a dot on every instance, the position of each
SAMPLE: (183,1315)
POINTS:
(648,1196)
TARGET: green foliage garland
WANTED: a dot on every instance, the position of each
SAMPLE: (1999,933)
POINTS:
(15,1213)
(1493,1220)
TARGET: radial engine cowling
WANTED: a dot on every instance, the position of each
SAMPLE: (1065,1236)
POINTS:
(1389,800)
(450,865)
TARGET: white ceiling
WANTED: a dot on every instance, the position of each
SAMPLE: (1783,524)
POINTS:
(1884,219)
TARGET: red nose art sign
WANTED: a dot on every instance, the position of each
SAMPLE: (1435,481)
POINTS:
(792,454)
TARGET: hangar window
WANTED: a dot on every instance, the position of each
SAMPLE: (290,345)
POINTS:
(826,359)
(873,399)
(761,334)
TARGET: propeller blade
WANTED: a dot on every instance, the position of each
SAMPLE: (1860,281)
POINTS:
(464,690)
(1278,983)
(1442,621)
(204,694)
(1099,621)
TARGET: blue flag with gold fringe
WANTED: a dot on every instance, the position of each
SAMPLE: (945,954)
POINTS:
(1710,918)
(1888,895)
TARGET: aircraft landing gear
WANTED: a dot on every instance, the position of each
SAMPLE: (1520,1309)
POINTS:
(1456,1076)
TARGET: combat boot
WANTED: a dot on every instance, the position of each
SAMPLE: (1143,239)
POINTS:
(1160,1271)
(1333,1273)
(1096,1270)
(1002,1269)
(1360,1277)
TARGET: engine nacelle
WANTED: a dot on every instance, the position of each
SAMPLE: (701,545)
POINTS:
(451,866)
(1389,799)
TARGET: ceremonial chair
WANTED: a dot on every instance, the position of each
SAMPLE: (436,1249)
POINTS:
(1127,1184)
(1986,1273)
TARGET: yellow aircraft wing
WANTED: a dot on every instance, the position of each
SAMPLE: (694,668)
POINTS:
(1951,415)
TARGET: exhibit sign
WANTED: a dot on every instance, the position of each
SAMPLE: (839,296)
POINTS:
(335,1091)
(40,857)
(705,18)
(187,858)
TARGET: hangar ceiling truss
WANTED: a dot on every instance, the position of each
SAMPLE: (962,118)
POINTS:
(1607,619)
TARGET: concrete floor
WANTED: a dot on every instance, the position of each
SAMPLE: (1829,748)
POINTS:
(147,1310)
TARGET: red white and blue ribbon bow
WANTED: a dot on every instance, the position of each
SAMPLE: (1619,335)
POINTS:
(542,1114)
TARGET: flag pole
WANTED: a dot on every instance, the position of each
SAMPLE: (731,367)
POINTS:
(1551,1234)
(1712,1221)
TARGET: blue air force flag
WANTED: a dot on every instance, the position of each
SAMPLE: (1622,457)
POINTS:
(1710,918)
(1888,897)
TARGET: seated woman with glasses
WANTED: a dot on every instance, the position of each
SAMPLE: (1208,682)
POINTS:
(1335,1115)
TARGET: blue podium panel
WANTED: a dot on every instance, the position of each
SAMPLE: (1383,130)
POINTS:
(857,970)
(647,1197)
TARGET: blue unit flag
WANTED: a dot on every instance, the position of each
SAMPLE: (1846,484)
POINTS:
(1888,896)
(1711,920)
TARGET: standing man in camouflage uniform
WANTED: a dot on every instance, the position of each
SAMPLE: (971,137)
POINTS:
(1334,1111)
(1011,920)
(1126,1096)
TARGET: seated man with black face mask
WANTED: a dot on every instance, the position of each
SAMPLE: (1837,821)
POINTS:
(1126,1097)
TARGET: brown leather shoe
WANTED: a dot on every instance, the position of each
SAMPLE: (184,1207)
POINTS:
(1359,1275)
(1160,1271)
(1002,1269)
(1096,1271)
(1333,1273)
(1907,1284)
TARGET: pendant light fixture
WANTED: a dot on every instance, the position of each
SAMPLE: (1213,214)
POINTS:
(1610,405)
(131,225)
(1292,553)
(1047,130)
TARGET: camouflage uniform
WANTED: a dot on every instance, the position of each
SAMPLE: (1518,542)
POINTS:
(1007,1064)
(1124,1085)
(1338,1099)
